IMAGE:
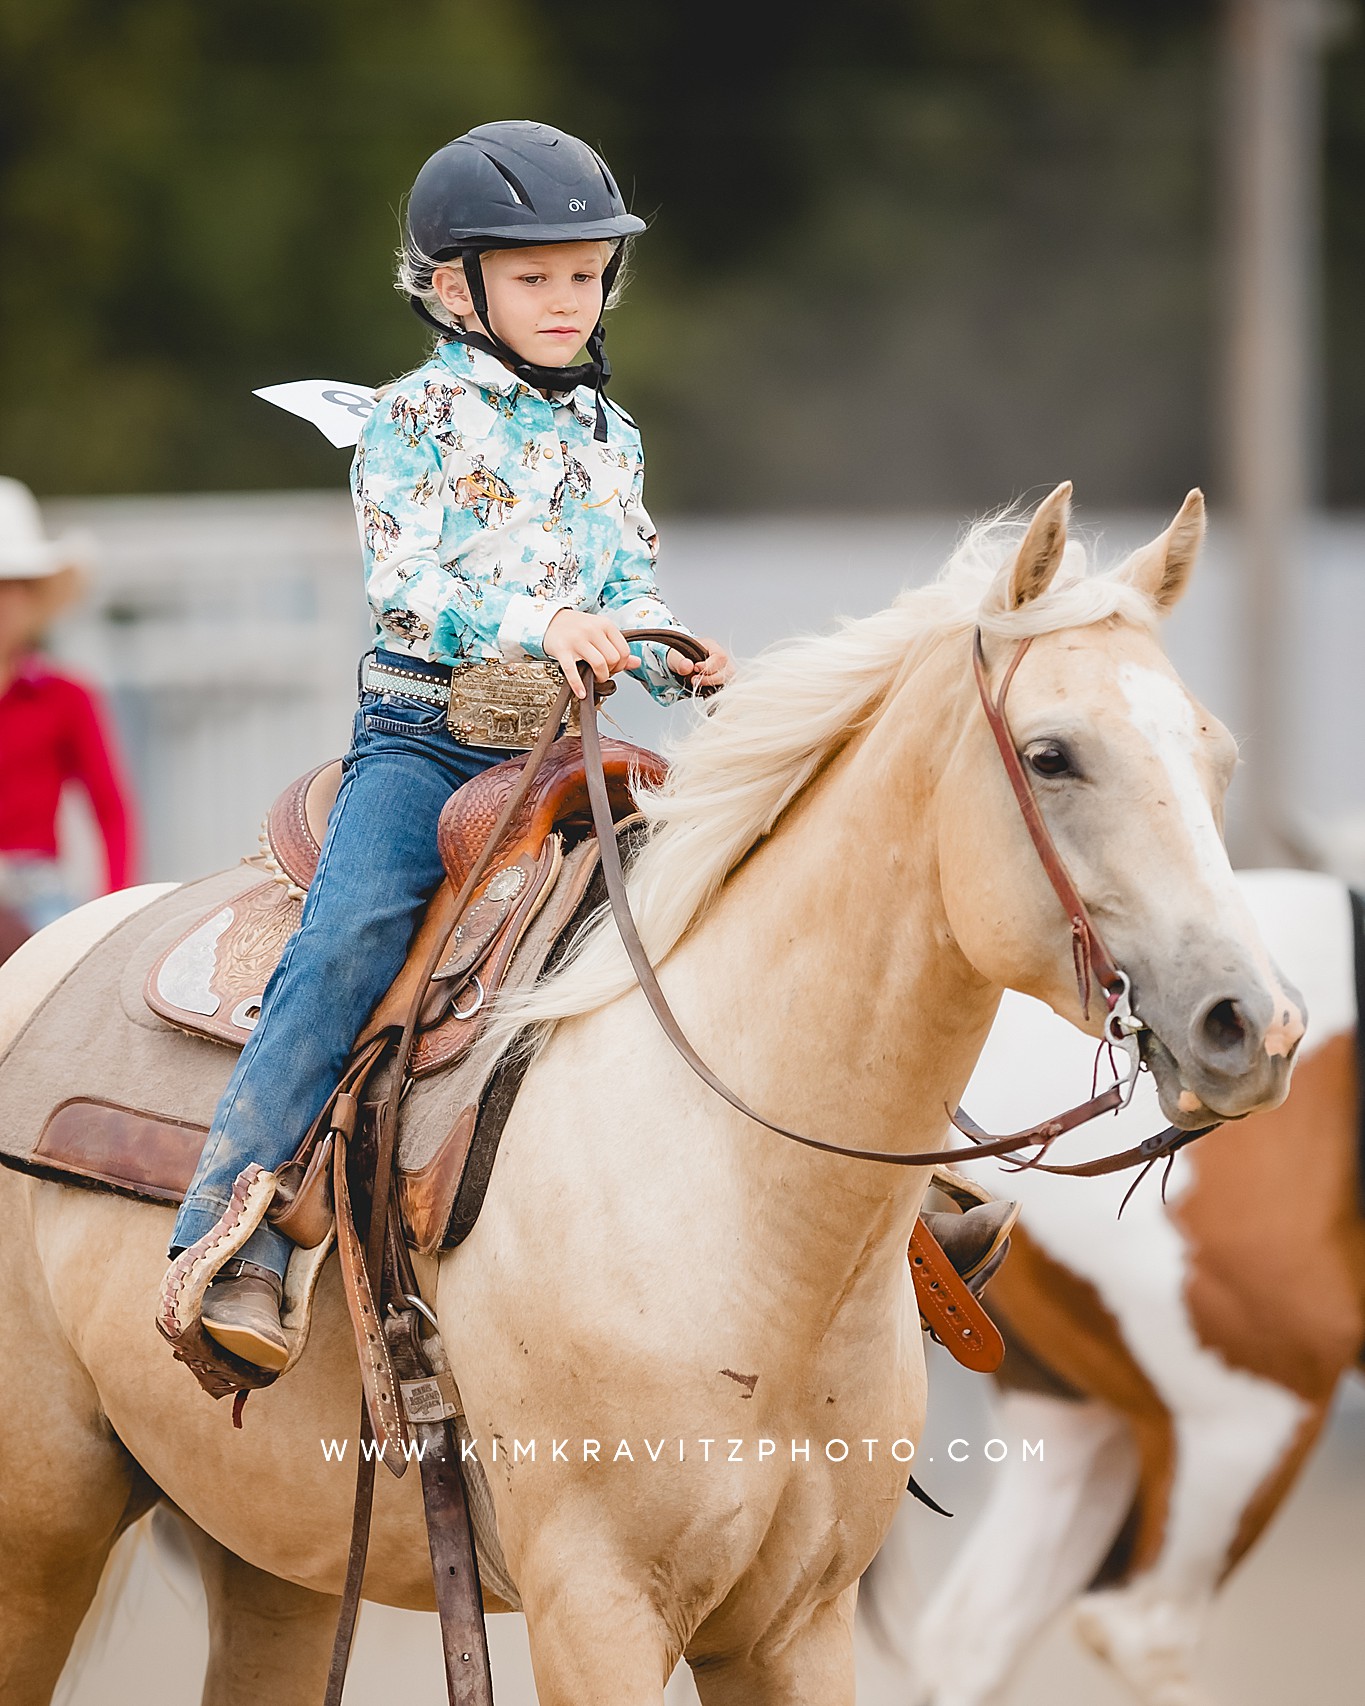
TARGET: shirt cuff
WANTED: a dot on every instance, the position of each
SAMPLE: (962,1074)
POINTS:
(654,674)
(521,633)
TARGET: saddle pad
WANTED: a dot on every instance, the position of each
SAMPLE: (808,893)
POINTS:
(212,980)
(128,1058)
(129,1110)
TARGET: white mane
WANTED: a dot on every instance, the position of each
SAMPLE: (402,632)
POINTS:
(792,709)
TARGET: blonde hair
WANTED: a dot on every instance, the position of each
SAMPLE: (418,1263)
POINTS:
(795,707)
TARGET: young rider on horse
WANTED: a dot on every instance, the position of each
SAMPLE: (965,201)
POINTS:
(498,497)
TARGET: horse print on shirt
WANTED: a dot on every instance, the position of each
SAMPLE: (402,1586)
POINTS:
(561,579)
(382,531)
(406,625)
(430,411)
(485,494)
(575,482)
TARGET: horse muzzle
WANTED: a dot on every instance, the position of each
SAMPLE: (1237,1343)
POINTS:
(1234,1054)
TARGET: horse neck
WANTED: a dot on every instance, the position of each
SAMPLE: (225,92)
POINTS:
(826,980)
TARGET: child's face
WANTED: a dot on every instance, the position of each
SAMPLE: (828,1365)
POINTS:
(19,606)
(544,301)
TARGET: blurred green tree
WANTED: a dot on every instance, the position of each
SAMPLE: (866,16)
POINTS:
(902,253)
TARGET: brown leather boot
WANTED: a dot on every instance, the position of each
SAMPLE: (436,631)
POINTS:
(975,1242)
(242,1311)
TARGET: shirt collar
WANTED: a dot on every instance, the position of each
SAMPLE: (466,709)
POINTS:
(489,374)
(29,673)
(485,370)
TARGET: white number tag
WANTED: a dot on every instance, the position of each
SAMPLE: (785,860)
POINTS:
(336,409)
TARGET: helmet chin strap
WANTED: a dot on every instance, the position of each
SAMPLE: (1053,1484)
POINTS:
(596,371)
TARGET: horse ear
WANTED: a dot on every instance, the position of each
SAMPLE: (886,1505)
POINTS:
(1038,557)
(1162,569)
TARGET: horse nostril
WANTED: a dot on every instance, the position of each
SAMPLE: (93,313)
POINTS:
(1224,1027)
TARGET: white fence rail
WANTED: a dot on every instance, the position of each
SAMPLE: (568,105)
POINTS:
(226,630)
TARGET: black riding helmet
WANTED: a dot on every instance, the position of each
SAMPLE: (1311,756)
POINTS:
(512,185)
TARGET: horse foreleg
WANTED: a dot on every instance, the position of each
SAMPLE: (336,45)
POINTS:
(1230,1478)
(813,1666)
(1045,1530)
(68,1489)
(268,1639)
(50,1569)
(595,1633)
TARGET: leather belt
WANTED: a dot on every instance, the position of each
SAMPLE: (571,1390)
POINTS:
(431,682)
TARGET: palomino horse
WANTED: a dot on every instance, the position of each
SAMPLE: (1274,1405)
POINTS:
(1193,1347)
(714,1327)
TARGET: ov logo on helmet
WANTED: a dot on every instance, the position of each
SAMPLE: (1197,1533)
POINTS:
(577,206)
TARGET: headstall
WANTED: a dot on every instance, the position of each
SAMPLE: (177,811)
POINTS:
(1094,964)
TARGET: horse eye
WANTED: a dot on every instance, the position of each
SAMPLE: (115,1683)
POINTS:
(1047,758)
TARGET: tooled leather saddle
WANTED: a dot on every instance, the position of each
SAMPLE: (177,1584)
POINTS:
(211,981)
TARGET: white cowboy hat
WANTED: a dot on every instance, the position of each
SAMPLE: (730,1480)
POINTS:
(27,554)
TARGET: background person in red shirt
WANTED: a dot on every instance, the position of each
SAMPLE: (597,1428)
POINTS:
(52,729)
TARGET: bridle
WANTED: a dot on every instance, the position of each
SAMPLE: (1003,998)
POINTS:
(1093,961)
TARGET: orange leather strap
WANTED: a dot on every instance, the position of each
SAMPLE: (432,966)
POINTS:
(953,1315)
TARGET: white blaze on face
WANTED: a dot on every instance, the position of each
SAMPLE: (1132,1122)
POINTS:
(1163,714)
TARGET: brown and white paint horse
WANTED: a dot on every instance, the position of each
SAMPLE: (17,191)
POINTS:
(838,885)
(1189,1352)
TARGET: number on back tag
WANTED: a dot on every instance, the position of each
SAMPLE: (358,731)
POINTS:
(338,410)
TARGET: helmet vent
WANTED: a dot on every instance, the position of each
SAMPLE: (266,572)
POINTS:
(518,190)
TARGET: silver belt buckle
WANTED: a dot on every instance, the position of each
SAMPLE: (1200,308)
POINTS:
(505,705)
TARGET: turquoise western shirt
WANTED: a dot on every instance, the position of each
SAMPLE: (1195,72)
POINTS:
(485,507)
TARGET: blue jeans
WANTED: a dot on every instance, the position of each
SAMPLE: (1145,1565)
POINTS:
(378,868)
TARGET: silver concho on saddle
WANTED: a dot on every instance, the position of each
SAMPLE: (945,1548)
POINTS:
(212,981)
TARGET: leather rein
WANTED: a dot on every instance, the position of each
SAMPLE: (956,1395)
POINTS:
(1093,961)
